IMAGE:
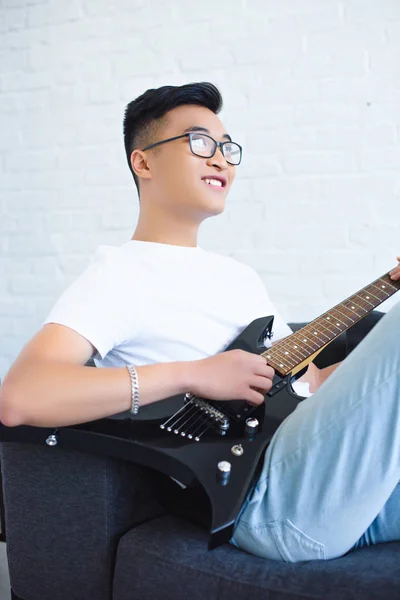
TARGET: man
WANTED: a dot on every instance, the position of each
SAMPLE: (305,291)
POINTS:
(167,307)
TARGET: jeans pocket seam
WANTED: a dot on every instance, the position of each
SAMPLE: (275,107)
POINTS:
(306,542)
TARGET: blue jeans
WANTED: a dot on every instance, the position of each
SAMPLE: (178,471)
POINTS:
(330,477)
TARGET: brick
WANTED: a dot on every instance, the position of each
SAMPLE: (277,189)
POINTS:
(254,164)
(14,59)
(13,18)
(308,163)
(151,62)
(32,285)
(204,56)
(13,307)
(38,245)
(359,12)
(22,81)
(45,14)
(270,49)
(380,159)
(40,160)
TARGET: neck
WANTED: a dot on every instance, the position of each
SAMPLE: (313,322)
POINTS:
(152,226)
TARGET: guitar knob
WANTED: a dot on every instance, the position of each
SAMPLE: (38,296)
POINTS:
(251,426)
(224,468)
(52,440)
(223,471)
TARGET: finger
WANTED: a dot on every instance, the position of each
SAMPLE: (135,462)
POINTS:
(395,273)
(255,398)
(264,370)
(268,371)
(263,384)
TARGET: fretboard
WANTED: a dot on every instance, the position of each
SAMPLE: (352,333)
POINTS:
(295,350)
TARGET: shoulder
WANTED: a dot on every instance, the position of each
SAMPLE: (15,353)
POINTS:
(103,270)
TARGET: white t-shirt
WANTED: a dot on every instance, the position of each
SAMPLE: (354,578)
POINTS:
(144,302)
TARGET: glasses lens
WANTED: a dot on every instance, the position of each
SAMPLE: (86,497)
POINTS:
(202,145)
(232,152)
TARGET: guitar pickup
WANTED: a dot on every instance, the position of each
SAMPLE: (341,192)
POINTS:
(277,386)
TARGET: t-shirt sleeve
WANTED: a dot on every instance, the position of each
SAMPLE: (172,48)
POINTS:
(90,305)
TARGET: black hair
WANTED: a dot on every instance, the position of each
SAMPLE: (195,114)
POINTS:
(141,115)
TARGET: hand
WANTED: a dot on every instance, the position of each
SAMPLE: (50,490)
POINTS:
(232,375)
(395,273)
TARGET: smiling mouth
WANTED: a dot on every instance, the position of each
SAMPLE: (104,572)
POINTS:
(214,183)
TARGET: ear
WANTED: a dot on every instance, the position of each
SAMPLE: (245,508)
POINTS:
(140,165)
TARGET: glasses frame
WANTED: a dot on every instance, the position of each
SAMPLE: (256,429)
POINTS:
(189,135)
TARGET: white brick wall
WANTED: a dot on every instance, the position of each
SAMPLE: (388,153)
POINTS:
(311,89)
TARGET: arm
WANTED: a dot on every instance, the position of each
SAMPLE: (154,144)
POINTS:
(48,384)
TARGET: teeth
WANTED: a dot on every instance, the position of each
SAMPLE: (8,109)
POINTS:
(213,182)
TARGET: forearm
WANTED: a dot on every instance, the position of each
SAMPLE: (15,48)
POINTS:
(315,377)
(327,371)
(51,394)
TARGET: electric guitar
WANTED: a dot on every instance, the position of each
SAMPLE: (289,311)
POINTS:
(217,445)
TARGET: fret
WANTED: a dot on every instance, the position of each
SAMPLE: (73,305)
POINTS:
(343,315)
(393,282)
(275,364)
(305,339)
(289,351)
(273,358)
(281,359)
(335,329)
(298,342)
(295,348)
(330,320)
(366,300)
(371,293)
(365,310)
(381,291)
(390,283)
(352,309)
(328,335)
(310,337)
(326,331)
(314,334)
(284,366)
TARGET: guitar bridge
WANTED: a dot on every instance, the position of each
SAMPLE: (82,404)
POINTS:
(195,418)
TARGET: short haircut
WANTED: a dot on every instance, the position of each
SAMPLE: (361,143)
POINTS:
(142,115)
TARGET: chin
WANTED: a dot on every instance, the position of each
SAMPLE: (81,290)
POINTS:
(212,210)
(214,205)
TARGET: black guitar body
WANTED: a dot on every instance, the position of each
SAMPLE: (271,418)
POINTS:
(188,438)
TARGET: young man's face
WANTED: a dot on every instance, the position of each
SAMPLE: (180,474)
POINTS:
(181,182)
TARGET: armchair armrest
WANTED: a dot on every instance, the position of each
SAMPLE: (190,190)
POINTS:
(65,512)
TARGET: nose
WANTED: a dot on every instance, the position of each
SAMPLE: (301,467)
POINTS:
(218,160)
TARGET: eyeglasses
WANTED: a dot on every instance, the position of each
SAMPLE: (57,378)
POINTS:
(205,146)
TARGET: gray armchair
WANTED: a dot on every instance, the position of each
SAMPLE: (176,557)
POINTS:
(83,526)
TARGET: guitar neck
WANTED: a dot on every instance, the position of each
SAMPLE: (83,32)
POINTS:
(295,351)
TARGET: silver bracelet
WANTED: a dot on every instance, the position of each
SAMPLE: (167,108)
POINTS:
(135,388)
